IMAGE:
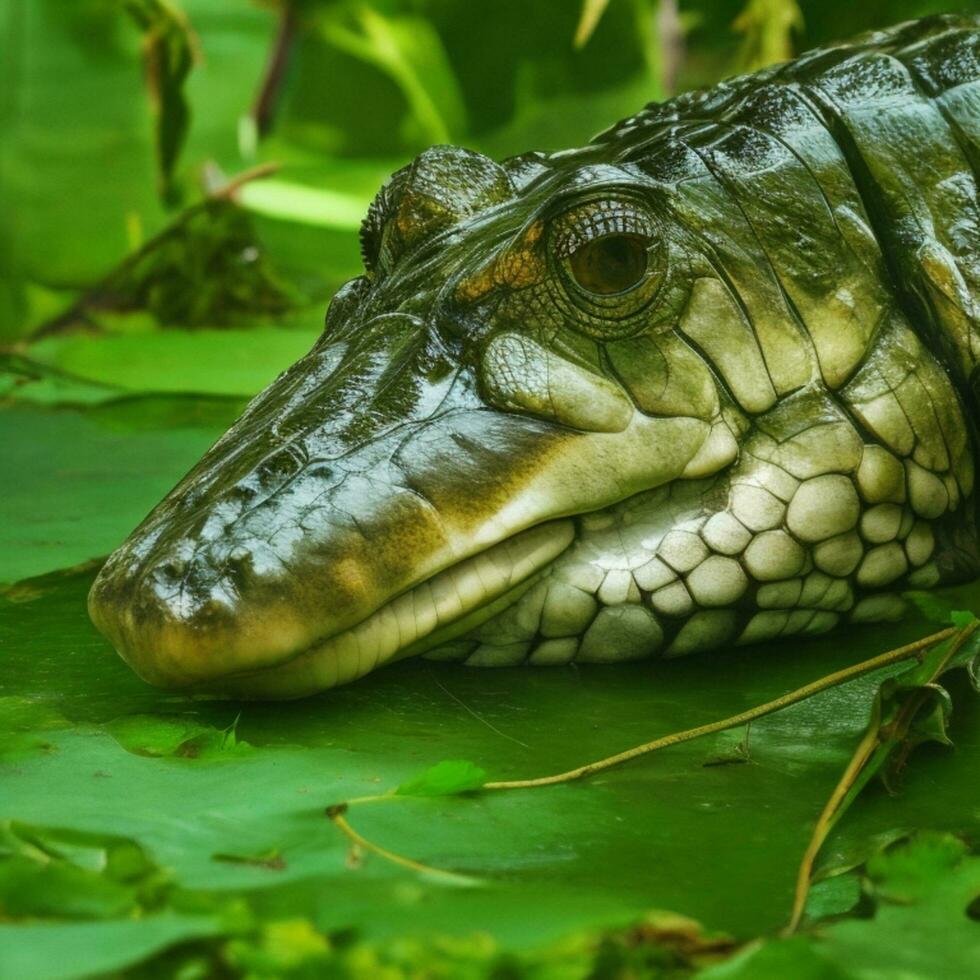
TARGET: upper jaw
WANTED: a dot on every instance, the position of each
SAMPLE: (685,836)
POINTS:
(438,608)
(328,590)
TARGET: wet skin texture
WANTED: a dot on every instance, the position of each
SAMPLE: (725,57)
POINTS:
(710,379)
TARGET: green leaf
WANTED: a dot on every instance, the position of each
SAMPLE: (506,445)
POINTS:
(592,11)
(155,735)
(767,28)
(74,484)
(29,889)
(408,50)
(833,896)
(323,207)
(961,618)
(798,958)
(69,950)
(226,363)
(446,778)
(921,891)
(169,53)
(551,861)
(51,873)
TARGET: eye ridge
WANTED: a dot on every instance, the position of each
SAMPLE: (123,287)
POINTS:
(611,264)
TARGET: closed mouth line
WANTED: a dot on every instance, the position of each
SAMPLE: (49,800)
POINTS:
(417,614)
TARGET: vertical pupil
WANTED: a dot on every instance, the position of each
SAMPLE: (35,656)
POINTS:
(611,264)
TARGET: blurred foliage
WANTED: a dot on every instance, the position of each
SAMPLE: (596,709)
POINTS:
(207,268)
(408,51)
(768,28)
(339,92)
(169,53)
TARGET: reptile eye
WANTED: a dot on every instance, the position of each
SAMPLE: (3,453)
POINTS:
(611,264)
(609,259)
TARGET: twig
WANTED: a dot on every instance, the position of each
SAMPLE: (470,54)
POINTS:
(842,795)
(230,188)
(338,818)
(825,822)
(800,694)
(337,813)
(264,107)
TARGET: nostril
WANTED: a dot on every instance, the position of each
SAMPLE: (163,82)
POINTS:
(169,573)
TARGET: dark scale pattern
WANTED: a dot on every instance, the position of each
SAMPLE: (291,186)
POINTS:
(751,416)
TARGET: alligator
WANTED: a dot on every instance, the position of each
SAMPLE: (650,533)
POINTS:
(710,379)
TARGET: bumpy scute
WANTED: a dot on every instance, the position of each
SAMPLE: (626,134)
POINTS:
(711,379)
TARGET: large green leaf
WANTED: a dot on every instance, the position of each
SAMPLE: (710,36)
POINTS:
(73,484)
(70,950)
(668,831)
(235,363)
(409,51)
(922,891)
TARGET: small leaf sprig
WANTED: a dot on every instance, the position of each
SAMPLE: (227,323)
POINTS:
(908,709)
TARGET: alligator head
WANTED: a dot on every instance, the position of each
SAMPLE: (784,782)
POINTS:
(553,420)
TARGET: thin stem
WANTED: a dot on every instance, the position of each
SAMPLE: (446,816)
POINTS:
(825,823)
(336,815)
(264,107)
(233,185)
(800,694)
(839,800)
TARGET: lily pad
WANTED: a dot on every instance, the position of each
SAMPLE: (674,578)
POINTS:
(235,363)
(663,832)
(922,892)
(73,484)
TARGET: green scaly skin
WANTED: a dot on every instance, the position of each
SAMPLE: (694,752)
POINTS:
(708,380)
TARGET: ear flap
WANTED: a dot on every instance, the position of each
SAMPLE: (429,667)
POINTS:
(441,187)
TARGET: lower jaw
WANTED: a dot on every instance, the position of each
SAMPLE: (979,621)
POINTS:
(426,613)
